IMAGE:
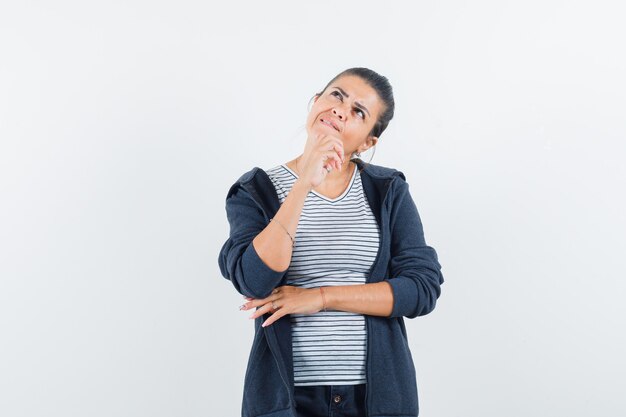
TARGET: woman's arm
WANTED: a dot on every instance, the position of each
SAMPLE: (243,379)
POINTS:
(273,244)
(375,299)
(414,269)
(254,255)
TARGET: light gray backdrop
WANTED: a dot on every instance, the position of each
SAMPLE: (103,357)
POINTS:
(123,123)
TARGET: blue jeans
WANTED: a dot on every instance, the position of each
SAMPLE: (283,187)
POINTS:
(330,400)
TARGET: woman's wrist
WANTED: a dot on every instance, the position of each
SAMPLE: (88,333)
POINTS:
(324,307)
(302,185)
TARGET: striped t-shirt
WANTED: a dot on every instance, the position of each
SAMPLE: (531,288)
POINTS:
(336,243)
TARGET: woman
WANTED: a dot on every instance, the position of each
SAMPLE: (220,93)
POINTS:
(331,253)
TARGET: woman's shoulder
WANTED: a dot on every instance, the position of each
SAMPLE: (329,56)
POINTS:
(248,175)
(258,178)
(256,171)
(276,170)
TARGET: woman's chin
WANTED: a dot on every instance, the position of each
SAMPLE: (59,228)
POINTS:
(323,130)
(315,131)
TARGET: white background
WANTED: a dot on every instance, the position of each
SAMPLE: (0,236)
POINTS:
(124,123)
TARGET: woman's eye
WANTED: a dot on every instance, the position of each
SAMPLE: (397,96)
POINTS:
(337,94)
(361,113)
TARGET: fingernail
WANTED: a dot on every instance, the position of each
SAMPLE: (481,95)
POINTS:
(241,307)
(263,325)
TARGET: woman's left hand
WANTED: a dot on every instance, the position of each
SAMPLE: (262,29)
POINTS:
(285,300)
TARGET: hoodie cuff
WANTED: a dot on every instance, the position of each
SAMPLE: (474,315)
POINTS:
(261,279)
(404,296)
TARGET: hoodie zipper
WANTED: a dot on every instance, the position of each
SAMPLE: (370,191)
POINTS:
(367,369)
(367,318)
(367,322)
(285,383)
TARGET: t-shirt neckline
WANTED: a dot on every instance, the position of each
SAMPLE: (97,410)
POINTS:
(322,196)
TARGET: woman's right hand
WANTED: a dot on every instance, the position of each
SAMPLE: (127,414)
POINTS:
(320,151)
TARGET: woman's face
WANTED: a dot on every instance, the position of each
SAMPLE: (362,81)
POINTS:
(347,109)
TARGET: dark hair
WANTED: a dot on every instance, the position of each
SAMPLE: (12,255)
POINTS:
(382,87)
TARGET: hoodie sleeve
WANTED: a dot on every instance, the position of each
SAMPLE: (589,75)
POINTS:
(415,272)
(238,260)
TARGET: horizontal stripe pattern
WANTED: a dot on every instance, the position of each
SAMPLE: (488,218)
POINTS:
(336,244)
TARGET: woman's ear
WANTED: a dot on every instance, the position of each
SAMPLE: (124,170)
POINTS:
(369,143)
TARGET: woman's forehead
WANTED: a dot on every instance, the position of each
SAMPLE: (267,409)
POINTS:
(357,89)
(354,85)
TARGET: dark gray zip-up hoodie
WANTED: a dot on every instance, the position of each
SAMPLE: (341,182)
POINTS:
(404,261)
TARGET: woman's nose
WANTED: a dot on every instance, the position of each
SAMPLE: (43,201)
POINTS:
(339,113)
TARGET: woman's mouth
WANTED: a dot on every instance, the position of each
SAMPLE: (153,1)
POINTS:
(328,123)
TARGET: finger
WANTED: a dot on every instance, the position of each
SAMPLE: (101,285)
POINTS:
(260,311)
(248,305)
(261,301)
(273,317)
(253,303)
(339,150)
(320,137)
(337,146)
(332,155)
(331,139)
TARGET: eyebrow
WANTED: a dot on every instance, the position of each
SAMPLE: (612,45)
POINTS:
(356,103)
